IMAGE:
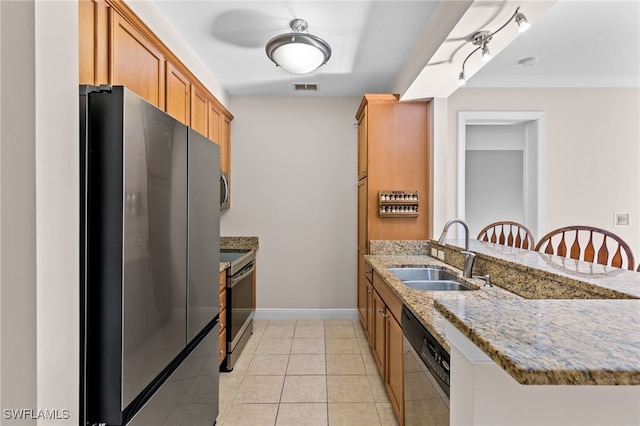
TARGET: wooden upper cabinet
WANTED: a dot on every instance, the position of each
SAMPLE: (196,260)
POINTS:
(86,35)
(199,110)
(178,94)
(214,119)
(93,16)
(225,144)
(362,144)
(135,62)
(394,155)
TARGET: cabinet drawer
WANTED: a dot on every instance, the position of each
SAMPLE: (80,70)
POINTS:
(222,353)
(223,279)
(368,272)
(223,299)
(223,319)
(388,296)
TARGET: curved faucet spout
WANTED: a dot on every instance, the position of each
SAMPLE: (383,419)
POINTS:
(468,256)
(443,237)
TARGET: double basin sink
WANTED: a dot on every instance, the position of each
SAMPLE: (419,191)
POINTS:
(429,279)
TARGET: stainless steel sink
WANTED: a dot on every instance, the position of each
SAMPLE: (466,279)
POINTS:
(429,279)
(423,274)
(443,285)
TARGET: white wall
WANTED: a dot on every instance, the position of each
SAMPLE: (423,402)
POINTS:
(592,154)
(293,171)
(39,200)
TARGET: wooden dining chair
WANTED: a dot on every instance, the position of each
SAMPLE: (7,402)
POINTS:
(588,243)
(509,234)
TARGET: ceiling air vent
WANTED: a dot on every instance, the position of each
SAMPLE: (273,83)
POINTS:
(305,86)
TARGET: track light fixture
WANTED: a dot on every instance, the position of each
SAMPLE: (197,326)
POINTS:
(298,52)
(482,39)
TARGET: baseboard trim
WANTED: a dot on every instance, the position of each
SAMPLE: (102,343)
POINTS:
(306,314)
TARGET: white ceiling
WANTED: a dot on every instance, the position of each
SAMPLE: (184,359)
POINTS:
(577,43)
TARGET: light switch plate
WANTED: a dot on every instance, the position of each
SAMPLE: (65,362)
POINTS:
(441,255)
(621,219)
(434,252)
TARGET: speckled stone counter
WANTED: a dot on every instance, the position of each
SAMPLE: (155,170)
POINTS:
(536,275)
(239,243)
(554,342)
(421,302)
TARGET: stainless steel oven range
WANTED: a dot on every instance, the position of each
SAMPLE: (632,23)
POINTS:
(240,302)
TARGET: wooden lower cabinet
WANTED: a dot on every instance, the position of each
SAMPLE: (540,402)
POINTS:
(394,361)
(223,317)
(379,309)
(379,335)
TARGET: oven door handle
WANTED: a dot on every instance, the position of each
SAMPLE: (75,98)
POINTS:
(234,280)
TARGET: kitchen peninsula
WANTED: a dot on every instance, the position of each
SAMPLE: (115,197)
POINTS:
(556,341)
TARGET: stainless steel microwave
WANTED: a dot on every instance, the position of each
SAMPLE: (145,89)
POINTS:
(224,190)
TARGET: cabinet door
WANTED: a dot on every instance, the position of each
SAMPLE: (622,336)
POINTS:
(362,291)
(223,316)
(379,332)
(371,314)
(178,94)
(213,120)
(87,39)
(199,110)
(362,145)
(222,353)
(135,62)
(363,221)
(225,145)
(394,377)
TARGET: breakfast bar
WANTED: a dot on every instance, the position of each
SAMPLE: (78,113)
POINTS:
(551,342)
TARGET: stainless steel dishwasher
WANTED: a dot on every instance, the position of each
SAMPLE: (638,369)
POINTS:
(426,375)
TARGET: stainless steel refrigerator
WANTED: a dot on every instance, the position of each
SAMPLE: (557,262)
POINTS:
(150,229)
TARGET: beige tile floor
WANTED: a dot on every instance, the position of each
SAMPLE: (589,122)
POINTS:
(305,372)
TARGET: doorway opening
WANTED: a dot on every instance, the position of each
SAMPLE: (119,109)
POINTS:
(500,168)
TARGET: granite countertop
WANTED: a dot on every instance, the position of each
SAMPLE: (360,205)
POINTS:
(554,342)
(237,243)
(422,302)
(606,281)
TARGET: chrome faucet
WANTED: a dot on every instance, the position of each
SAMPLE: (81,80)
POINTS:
(468,256)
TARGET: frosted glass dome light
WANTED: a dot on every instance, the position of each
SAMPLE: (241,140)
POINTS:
(298,52)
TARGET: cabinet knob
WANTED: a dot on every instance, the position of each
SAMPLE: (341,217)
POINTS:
(220,352)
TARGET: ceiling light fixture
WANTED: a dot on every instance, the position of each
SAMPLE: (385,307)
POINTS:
(298,52)
(482,39)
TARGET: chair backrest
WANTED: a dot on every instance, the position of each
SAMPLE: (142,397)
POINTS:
(588,243)
(509,234)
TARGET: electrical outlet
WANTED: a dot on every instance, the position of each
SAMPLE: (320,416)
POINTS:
(434,252)
(621,219)
(441,255)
